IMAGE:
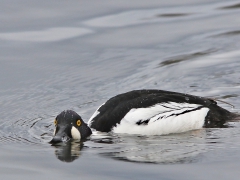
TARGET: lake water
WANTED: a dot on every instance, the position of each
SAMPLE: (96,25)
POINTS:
(77,54)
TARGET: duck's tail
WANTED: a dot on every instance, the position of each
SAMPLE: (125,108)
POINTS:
(234,116)
(219,117)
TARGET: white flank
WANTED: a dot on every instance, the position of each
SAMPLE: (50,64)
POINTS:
(75,133)
(94,115)
(162,119)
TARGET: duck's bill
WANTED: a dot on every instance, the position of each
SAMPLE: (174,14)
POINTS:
(59,139)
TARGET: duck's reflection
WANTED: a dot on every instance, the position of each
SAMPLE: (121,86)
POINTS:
(171,149)
(68,152)
(179,148)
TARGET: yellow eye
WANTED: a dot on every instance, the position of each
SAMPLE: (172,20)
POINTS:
(55,122)
(78,122)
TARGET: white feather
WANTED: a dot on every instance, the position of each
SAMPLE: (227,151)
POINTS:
(162,119)
(135,115)
(75,133)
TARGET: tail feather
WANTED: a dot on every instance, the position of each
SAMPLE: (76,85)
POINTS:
(218,117)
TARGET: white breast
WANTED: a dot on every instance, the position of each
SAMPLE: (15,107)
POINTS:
(163,118)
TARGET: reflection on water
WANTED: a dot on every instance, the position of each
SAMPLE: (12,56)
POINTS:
(183,148)
(190,147)
(179,148)
(68,152)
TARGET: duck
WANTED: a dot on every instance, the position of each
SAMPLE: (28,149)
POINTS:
(144,112)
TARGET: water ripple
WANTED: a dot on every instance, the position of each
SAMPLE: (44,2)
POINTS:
(48,35)
(185,57)
(229,33)
(26,131)
(234,6)
(168,15)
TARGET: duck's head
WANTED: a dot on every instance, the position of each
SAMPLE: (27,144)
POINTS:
(69,125)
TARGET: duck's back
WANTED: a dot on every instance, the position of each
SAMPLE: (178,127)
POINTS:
(157,112)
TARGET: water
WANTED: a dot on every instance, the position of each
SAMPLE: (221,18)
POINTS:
(75,55)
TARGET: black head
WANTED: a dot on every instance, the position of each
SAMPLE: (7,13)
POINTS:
(69,125)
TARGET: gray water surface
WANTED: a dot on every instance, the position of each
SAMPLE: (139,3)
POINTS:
(76,55)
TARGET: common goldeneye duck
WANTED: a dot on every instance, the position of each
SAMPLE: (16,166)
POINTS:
(145,112)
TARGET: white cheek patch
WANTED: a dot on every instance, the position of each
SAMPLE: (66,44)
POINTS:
(54,132)
(75,133)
